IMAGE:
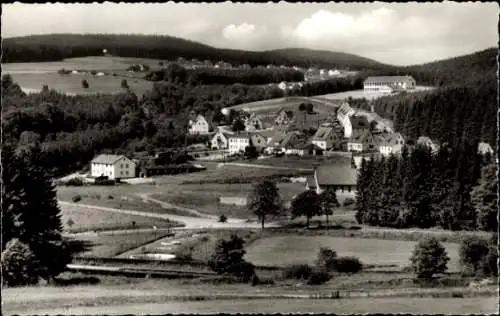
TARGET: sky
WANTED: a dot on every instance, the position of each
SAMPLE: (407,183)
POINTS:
(393,33)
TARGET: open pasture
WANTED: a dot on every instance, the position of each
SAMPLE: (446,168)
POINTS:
(110,245)
(76,219)
(98,63)
(359,94)
(72,83)
(205,197)
(287,250)
(272,106)
(302,162)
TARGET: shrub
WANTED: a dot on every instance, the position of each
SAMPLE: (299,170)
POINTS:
(110,197)
(243,271)
(349,202)
(298,271)
(326,258)
(76,198)
(473,252)
(222,218)
(319,277)
(347,265)
(184,253)
(19,264)
(227,252)
(429,257)
(77,182)
(261,281)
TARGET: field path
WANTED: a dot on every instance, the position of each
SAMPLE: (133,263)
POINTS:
(189,221)
(146,197)
(239,164)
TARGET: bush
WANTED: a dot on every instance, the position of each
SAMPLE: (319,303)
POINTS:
(261,281)
(349,202)
(222,218)
(319,277)
(429,257)
(76,198)
(326,258)
(19,265)
(184,253)
(228,252)
(298,271)
(347,265)
(77,182)
(243,271)
(110,197)
(473,251)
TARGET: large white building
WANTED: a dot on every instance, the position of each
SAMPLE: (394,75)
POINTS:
(389,83)
(240,141)
(112,166)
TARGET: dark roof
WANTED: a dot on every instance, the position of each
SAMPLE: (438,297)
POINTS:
(388,79)
(339,174)
(359,122)
(322,133)
(107,159)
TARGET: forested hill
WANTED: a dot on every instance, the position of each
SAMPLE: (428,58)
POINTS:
(457,71)
(59,46)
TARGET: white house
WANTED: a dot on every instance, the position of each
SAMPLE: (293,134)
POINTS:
(112,166)
(282,85)
(198,126)
(240,141)
(220,140)
(389,143)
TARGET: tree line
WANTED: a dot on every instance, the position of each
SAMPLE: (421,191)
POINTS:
(210,76)
(448,114)
(53,47)
(423,189)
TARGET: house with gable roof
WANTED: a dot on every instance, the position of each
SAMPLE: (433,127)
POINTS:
(112,166)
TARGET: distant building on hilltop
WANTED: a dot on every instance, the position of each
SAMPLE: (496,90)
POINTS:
(389,83)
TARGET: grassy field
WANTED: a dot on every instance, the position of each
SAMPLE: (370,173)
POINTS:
(206,196)
(122,197)
(72,83)
(285,250)
(110,245)
(32,76)
(301,162)
(84,219)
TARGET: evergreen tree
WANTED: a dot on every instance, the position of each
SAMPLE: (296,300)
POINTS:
(485,199)
(362,191)
(30,210)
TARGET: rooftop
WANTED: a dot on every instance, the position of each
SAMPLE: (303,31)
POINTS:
(388,79)
(107,159)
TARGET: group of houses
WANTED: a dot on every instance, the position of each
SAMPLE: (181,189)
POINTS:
(303,132)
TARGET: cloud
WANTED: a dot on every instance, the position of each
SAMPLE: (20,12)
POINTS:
(240,32)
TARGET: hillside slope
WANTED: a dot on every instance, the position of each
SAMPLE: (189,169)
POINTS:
(460,70)
(59,46)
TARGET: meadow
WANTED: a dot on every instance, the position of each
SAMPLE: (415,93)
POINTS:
(287,250)
(32,76)
(110,245)
(76,220)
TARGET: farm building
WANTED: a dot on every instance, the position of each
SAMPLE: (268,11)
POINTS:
(240,141)
(388,83)
(389,143)
(112,166)
(361,140)
(326,137)
(253,123)
(220,140)
(340,177)
(199,125)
